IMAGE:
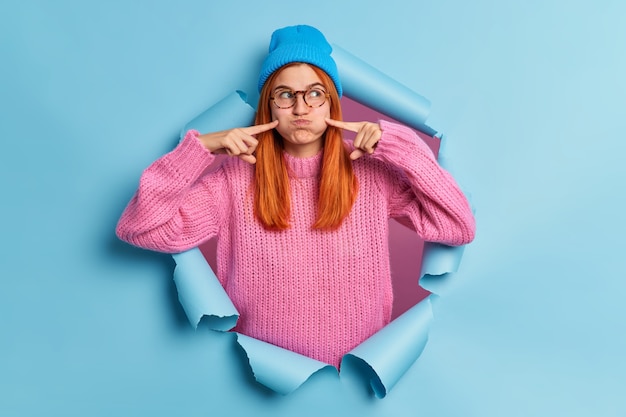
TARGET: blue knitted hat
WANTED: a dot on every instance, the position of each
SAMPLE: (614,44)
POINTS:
(300,43)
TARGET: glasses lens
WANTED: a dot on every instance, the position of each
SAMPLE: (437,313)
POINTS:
(315,97)
(285,98)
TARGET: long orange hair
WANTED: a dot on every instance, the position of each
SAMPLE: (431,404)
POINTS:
(338,184)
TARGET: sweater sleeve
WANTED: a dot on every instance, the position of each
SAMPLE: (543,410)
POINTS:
(421,191)
(176,207)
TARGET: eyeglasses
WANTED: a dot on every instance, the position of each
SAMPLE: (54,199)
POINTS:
(313,97)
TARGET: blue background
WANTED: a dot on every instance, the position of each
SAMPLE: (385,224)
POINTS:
(531,97)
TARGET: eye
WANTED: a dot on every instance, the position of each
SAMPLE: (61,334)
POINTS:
(285,94)
(315,93)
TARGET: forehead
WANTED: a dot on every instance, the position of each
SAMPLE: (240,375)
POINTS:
(297,77)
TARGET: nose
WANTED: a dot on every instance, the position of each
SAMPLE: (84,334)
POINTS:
(300,107)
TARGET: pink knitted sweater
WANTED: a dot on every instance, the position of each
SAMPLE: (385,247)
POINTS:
(318,293)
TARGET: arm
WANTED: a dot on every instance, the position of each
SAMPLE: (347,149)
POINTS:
(421,190)
(175,208)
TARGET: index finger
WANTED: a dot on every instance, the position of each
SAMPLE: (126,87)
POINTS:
(253,130)
(351,126)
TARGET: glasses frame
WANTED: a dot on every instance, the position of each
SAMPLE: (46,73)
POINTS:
(304,93)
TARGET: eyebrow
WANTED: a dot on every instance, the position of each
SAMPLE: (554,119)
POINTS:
(286,87)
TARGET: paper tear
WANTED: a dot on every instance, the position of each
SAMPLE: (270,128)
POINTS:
(371,87)
(201,294)
(388,354)
(279,369)
(230,112)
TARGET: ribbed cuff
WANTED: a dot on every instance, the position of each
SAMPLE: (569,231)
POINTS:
(190,158)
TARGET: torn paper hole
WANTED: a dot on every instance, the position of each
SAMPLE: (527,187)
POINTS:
(283,371)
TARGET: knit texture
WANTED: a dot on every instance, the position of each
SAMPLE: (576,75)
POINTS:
(299,43)
(317,293)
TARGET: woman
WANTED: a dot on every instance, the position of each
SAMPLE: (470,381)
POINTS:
(301,216)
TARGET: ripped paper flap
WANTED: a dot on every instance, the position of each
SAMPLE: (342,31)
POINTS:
(369,86)
(201,294)
(279,369)
(230,112)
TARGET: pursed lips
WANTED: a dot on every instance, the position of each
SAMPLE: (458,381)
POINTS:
(301,122)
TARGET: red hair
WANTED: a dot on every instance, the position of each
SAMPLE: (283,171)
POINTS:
(338,184)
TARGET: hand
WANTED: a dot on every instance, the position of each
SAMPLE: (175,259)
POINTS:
(239,142)
(367,136)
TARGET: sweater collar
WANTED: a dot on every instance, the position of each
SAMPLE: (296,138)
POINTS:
(304,167)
